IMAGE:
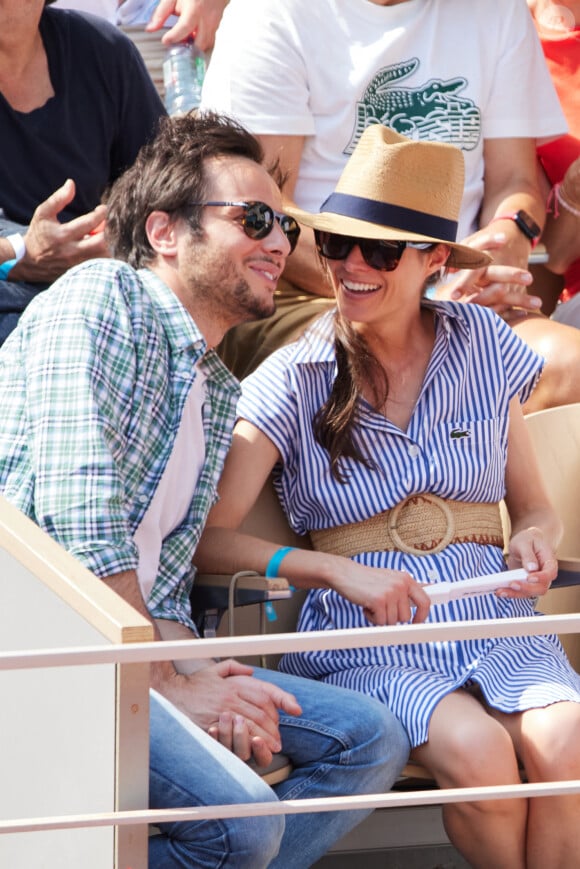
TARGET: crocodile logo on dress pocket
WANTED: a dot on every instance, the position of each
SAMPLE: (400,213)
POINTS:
(460,433)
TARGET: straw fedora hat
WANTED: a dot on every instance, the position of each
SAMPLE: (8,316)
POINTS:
(399,189)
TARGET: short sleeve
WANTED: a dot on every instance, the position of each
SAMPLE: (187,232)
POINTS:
(270,402)
(521,98)
(523,366)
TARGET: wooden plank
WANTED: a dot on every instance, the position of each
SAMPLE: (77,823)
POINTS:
(65,576)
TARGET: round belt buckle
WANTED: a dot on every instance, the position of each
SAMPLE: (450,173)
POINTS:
(413,548)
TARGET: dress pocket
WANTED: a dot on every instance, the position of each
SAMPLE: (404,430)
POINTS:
(475,451)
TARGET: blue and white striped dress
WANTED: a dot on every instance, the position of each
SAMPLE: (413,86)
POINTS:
(478,364)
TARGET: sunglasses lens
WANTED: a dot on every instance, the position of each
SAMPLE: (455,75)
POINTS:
(381,255)
(290,229)
(333,246)
(259,222)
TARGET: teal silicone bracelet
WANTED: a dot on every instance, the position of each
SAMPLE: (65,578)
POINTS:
(276,560)
(6,267)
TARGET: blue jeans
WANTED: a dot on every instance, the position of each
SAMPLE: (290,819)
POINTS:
(343,743)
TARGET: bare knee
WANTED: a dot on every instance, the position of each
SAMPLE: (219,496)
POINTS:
(549,744)
(472,755)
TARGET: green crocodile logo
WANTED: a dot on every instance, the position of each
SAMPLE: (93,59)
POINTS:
(434,111)
(460,433)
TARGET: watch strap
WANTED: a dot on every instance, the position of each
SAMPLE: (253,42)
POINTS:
(521,225)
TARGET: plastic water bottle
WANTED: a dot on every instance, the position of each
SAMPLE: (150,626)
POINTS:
(183,75)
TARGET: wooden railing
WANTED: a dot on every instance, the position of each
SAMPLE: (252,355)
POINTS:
(73,739)
(74,680)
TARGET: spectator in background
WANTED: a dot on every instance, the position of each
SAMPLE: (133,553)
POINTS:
(558,26)
(76,106)
(441,70)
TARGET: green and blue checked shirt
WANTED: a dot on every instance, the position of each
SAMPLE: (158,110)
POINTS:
(92,387)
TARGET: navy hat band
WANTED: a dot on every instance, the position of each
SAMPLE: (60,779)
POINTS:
(397,216)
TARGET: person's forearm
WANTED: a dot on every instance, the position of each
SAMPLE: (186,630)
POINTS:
(223,550)
(386,596)
(561,235)
(12,250)
(544,518)
(561,238)
(506,201)
(126,585)
(511,184)
(512,180)
(496,215)
(6,250)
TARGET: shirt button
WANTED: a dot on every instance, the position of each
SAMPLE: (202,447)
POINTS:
(414,451)
(432,575)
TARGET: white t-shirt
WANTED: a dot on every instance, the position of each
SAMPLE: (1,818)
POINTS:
(170,503)
(459,71)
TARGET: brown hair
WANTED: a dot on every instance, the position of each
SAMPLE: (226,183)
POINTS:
(168,175)
(335,422)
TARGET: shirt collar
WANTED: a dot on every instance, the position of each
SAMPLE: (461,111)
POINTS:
(183,334)
(180,327)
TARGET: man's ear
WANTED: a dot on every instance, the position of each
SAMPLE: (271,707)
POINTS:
(161,229)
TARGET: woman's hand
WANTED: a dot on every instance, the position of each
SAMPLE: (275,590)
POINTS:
(530,550)
(386,596)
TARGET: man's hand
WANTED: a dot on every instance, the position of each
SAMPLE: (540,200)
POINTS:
(501,287)
(198,17)
(239,711)
(222,698)
(53,247)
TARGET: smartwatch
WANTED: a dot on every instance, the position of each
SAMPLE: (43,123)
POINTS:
(524,223)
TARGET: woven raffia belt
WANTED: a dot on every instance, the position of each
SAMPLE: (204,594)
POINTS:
(420,525)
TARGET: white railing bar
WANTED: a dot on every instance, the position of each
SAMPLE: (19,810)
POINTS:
(351,638)
(292,807)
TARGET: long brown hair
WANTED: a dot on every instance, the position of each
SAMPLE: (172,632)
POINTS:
(335,422)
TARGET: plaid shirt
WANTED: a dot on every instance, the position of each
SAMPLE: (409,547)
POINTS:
(92,389)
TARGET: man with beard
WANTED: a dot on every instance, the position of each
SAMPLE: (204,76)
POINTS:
(117,415)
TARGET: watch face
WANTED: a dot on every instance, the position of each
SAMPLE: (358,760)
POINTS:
(527,224)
